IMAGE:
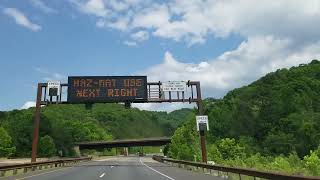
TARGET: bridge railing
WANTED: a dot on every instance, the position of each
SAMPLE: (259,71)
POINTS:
(39,165)
(233,170)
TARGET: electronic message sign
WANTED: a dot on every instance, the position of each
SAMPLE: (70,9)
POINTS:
(91,89)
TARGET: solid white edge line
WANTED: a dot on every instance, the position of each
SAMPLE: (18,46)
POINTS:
(43,173)
(156,171)
(102,175)
(47,172)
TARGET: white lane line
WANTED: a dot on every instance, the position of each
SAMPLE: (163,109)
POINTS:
(156,171)
(102,175)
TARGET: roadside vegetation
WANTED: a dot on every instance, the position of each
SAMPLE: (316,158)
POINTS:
(271,124)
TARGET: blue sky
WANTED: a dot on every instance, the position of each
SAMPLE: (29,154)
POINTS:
(224,44)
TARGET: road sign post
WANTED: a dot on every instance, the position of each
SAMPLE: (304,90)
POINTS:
(202,132)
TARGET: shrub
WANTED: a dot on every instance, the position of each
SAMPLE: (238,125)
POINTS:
(312,164)
(229,149)
(47,148)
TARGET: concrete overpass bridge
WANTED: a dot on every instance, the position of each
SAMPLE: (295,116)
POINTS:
(125,143)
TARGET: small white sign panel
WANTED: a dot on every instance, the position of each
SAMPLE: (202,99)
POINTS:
(202,120)
(54,84)
(178,86)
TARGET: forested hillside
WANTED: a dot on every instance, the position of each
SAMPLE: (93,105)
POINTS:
(63,125)
(273,120)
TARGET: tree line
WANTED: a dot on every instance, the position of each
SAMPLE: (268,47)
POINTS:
(63,125)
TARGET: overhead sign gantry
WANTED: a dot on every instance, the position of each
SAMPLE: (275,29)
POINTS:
(116,89)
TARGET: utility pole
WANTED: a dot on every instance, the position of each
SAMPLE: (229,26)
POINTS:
(36,125)
(202,132)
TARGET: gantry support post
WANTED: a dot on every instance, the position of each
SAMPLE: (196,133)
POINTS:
(36,125)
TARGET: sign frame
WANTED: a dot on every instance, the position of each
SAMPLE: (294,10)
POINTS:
(154,96)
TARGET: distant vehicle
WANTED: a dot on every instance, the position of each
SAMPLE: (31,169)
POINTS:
(140,154)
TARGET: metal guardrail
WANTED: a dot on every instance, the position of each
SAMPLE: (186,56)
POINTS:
(35,165)
(239,171)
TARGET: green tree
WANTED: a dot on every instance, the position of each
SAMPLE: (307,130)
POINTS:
(279,142)
(281,163)
(6,148)
(230,149)
(19,126)
(47,148)
(214,154)
(185,142)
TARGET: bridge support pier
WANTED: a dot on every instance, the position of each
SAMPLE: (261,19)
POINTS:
(77,151)
(125,151)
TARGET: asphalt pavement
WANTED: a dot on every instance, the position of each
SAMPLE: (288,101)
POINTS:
(117,168)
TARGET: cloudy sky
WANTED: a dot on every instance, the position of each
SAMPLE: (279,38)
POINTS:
(223,43)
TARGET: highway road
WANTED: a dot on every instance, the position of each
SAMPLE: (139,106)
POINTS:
(117,168)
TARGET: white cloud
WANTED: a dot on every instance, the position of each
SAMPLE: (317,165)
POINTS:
(42,6)
(198,19)
(92,7)
(193,21)
(118,5)
(140,36)
(155,16)
(251,60)
(21,19)
(28,105)
(120,24)
(130,43)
